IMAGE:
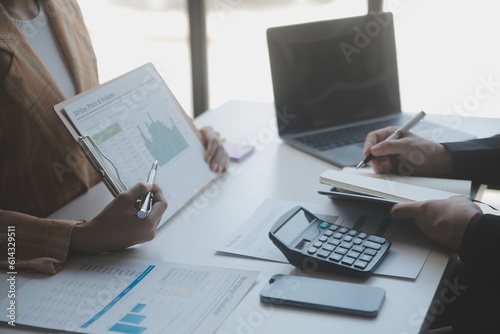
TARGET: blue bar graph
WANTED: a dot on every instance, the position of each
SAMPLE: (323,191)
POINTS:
(138,308)
(133,318)
(127,329)
(128,324)
(119,297)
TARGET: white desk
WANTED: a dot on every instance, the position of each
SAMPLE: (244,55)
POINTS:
(274,171)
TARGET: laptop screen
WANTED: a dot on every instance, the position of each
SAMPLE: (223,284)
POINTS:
(336,72)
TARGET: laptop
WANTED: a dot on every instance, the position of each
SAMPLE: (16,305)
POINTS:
(334,81)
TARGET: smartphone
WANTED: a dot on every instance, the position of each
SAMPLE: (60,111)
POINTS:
(340,194)
(326,295)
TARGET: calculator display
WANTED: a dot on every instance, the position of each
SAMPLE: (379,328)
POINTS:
(293,226)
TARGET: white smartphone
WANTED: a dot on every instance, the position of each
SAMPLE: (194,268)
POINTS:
(319,294)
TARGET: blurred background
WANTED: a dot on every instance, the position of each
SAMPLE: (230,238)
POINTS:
(447,49)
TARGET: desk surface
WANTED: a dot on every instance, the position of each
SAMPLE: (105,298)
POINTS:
(274,171)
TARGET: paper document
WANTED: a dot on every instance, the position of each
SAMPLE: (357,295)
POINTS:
(135,120)
(111,295)
(406,257)
(396,191)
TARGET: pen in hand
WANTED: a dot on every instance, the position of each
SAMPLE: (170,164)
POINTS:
(397,134)
(147,201)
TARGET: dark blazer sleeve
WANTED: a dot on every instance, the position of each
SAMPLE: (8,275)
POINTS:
(477,160)
(479,307)
(484,248)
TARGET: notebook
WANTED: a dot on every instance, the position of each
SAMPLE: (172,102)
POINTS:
(385,188)
(335,81)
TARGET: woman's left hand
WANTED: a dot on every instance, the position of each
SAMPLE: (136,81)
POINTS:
(215,154)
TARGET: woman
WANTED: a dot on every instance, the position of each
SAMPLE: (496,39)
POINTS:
(46,57)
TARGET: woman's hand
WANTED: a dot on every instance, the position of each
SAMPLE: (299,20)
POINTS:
(215,154)
(118,226)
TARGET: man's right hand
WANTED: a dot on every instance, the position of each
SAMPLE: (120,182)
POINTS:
(409,155)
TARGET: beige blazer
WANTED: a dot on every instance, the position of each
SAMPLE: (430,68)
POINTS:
(41,166)
(37,153)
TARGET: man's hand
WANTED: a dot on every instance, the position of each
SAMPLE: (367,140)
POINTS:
(409,155)
(118,226)
(442,221)
(215,154)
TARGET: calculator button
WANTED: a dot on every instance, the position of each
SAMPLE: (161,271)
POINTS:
(371,252)
(343,230)
(362,235)
(341,250)
(312,250)
(358,249)
(334,242)
(372,245)
(318,244)
(366,257)
(324,225)
(376,239)
(323,238)
(357,241)
(323,253)
(334,227)
(328,233)
(329,247)
(346,245)
(352,233)
(347,238)
(338,235)
(353,254)
(335,257)
(347,260)
(360,264)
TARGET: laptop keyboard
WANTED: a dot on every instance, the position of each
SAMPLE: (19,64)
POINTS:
(341,137)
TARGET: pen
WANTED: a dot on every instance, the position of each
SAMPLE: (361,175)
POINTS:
(147,200)
(397,134)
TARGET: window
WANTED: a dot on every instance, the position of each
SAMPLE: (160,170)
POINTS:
(446,49)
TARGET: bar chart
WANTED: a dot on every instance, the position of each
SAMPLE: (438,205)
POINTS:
(164,142)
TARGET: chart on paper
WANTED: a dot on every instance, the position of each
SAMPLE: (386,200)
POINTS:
(104,294)
(135,120)
(164,142)
(129,135)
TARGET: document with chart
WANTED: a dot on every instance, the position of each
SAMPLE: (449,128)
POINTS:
(134,120)
(409,249)
(106,294)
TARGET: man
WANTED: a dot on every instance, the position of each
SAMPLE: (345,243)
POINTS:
(46,57)
(456,223)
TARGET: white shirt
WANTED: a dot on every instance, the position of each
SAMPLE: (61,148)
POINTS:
(40,35)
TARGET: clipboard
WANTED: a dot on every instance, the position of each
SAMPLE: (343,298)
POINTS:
(111,178)
(183,174)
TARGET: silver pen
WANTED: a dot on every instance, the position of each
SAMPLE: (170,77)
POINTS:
(147,201)
(396,134)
